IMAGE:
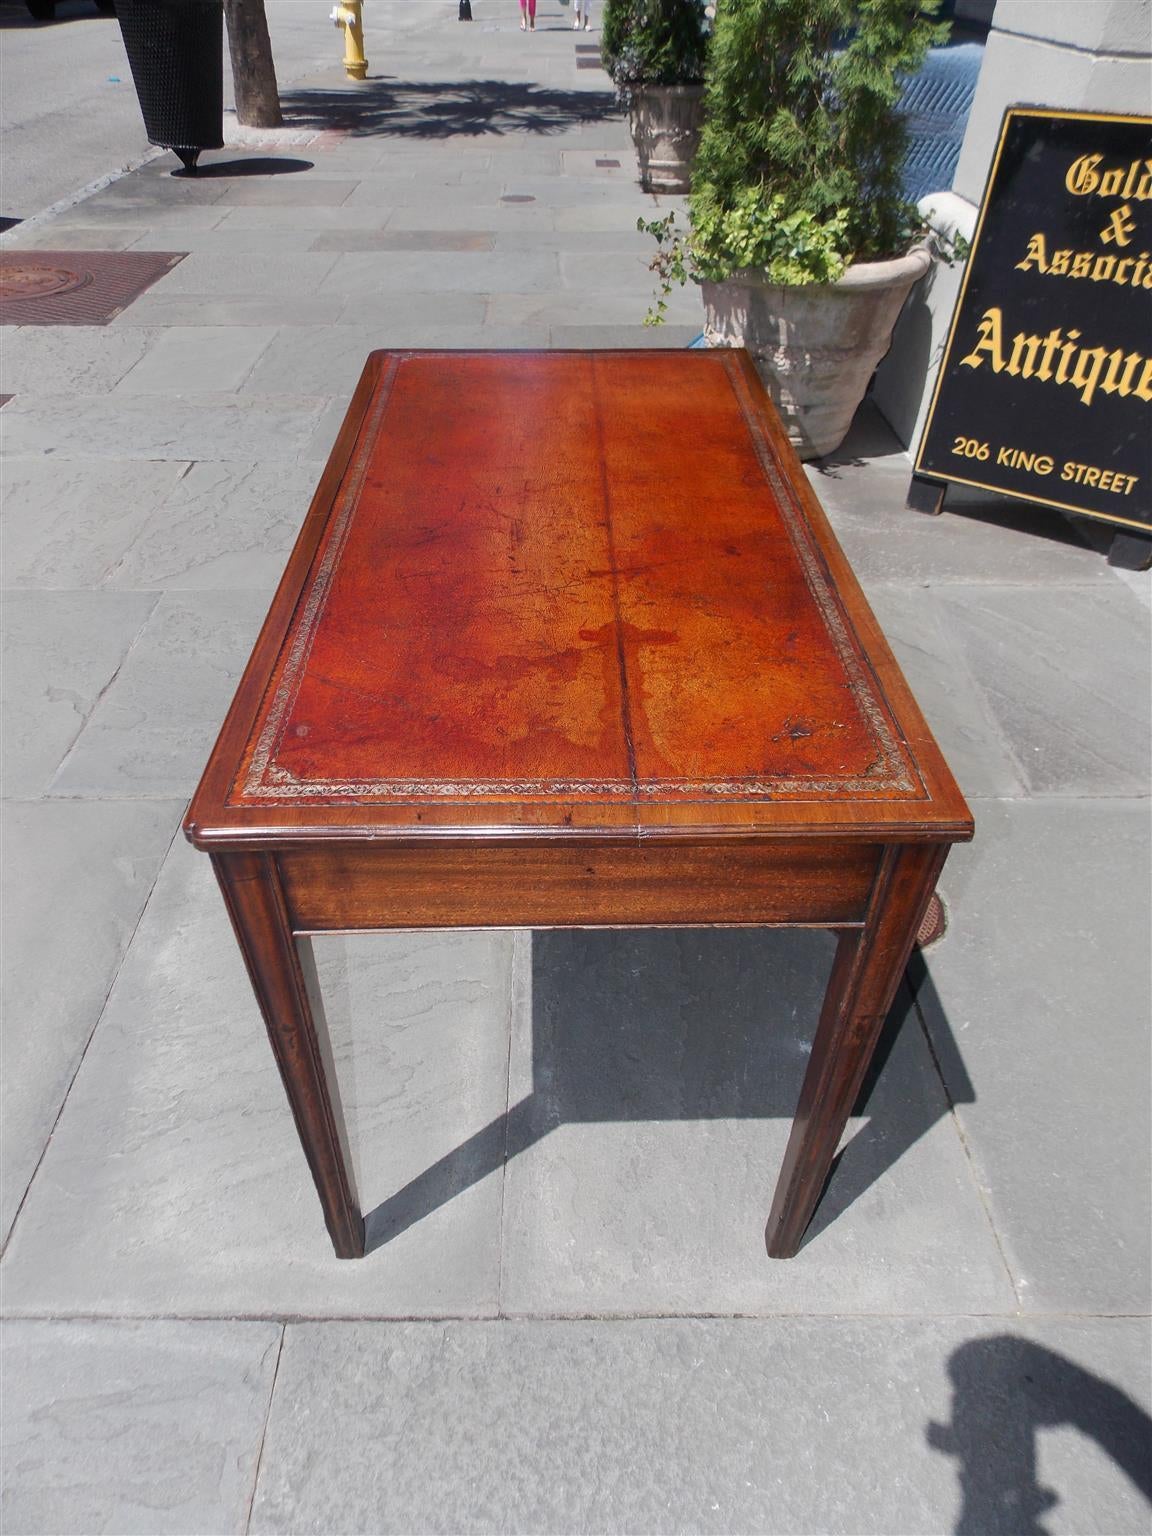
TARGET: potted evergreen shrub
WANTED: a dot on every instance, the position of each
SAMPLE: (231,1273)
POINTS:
(655,51)
(800,235)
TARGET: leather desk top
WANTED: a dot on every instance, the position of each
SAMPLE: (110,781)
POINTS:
(569,592)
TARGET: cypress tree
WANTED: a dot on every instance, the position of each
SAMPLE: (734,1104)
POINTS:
(654,42)
(801,112)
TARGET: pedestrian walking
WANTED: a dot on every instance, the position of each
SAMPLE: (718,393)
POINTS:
(528,15)
(582,15)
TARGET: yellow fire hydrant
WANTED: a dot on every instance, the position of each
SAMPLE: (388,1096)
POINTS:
(349,15)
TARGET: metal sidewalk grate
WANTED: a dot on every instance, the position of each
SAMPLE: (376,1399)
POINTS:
(76,287)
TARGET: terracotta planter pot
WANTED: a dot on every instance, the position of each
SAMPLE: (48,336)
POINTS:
(816,347)
(665,121)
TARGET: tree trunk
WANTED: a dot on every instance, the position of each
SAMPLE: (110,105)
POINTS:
(253,72)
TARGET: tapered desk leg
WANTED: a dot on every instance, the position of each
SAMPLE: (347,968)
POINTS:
(281,980)
(865,975)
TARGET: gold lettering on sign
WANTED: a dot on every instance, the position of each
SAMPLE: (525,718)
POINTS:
(1115,480)
(1086,369)
(1027,461)
(990,327)
(1082,179)
(1037,255)
(1085,179)
(1128,271)
(1120,226)
(1030,463)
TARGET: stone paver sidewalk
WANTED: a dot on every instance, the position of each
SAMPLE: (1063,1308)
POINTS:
(568,1140)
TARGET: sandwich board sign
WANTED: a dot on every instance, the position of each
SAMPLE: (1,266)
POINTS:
(1045,387)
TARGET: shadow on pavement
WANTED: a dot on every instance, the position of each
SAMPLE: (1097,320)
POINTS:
(883,1141)
(14,13)
(688,1024)
(254,166)
(1004,1390)
(438,110)
(871,441)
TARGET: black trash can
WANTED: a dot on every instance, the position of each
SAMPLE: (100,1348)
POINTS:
(175,50)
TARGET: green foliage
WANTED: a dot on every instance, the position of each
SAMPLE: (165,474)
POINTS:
(654,42)
(799,166)
(670,262)
(787,245)
(780,246)
(801,117)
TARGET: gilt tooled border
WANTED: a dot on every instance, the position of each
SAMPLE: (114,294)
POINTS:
(896,772)
(261,769)
(268,780)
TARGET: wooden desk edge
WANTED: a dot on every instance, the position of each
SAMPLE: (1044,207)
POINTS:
(212,791)
(216,838)
(890,680)
(212,825)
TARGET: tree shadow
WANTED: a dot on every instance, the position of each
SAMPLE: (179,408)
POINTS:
(682,1025)
(411,109)
(1004,1390)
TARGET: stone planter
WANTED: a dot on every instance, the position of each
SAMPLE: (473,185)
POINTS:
(665,121)
(816,347)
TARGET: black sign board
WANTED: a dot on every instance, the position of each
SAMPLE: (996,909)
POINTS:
(1045,389)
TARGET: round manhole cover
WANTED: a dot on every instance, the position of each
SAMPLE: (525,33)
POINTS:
(27,280)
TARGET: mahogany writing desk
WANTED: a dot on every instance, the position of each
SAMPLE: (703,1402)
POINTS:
(566,641)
